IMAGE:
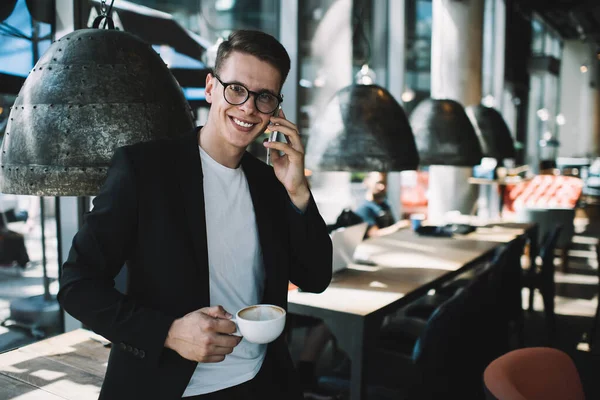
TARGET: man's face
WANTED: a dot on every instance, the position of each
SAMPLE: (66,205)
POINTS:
(239,125)
(377,185)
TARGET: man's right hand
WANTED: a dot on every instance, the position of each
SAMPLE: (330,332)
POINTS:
(203,335)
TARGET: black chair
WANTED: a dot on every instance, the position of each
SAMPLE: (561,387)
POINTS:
(507,260)
(445,355)
(448,357)
(506,301)
(421,366)
(541,277)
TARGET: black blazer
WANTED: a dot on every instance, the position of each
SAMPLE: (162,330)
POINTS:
(150,214)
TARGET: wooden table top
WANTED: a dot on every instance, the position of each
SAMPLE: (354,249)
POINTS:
(67,366)
(404,262)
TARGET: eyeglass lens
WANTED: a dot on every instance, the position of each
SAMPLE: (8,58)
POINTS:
(238,94)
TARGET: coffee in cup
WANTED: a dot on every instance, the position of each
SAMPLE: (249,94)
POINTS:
(260,323)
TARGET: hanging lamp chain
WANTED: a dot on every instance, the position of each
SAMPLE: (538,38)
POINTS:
(104,15)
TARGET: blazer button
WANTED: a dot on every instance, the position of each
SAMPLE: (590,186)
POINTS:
(142,354)
(123,346)
(129,348)
(136,352)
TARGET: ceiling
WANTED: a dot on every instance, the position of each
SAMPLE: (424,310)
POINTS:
(573,19)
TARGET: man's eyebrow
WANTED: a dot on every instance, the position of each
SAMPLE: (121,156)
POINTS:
(263,90)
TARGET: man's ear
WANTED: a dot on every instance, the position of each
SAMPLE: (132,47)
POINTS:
(209,88)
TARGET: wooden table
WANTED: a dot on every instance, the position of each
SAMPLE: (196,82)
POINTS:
(68,366)
(407,267)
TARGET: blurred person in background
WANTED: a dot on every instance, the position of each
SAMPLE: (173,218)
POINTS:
(375,209)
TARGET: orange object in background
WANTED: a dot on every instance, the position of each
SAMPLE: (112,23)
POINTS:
(413,193)
(544,191)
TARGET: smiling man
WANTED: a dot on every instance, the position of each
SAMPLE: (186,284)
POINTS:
(206,229)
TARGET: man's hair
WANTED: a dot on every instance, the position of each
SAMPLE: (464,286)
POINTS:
(258,44)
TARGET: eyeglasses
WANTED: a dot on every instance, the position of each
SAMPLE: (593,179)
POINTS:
(236,94)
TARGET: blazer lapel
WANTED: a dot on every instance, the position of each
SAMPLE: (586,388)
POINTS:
(189,174)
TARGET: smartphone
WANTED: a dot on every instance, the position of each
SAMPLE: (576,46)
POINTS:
(272,137)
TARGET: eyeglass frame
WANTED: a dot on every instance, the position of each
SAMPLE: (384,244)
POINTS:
(256,94)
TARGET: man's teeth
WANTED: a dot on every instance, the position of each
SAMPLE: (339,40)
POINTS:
(242,123)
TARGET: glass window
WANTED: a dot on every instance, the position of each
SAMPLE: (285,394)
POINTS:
(217,18)
(325,55)
(556,46)
(487,62)
(537,46)
(23,41)
(543,95)
(546,41)
(544,103)
(537,114)
(204,22)
(24,267)
(508,108)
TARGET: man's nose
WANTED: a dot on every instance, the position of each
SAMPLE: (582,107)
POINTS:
(248,106)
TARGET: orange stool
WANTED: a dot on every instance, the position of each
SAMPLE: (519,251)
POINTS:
(534,373)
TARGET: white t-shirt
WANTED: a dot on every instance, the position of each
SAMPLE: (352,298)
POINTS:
(236,271)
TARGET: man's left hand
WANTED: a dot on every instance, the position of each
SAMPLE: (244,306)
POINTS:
(289,168)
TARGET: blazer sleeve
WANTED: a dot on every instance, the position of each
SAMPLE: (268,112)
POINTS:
(98,252)
(310,249)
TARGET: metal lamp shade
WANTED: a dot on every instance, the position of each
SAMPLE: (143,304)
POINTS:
(42,10)
(362,128)
(6,8)
(494,135)
(91,92)
(444,134)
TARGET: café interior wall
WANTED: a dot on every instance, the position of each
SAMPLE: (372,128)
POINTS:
(579,101)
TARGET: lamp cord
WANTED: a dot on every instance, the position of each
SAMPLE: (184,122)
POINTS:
(108,12)
(358,32)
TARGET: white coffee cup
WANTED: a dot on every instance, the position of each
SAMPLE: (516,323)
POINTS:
(260,323)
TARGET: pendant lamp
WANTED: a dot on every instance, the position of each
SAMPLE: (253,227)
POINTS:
(6,8)
(362,128)
(494,135)
(444,134)
(91,92)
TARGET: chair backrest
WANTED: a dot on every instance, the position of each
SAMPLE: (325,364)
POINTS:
(447,355)
(505,304)
(547,250)
(534,373)
(547,218)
